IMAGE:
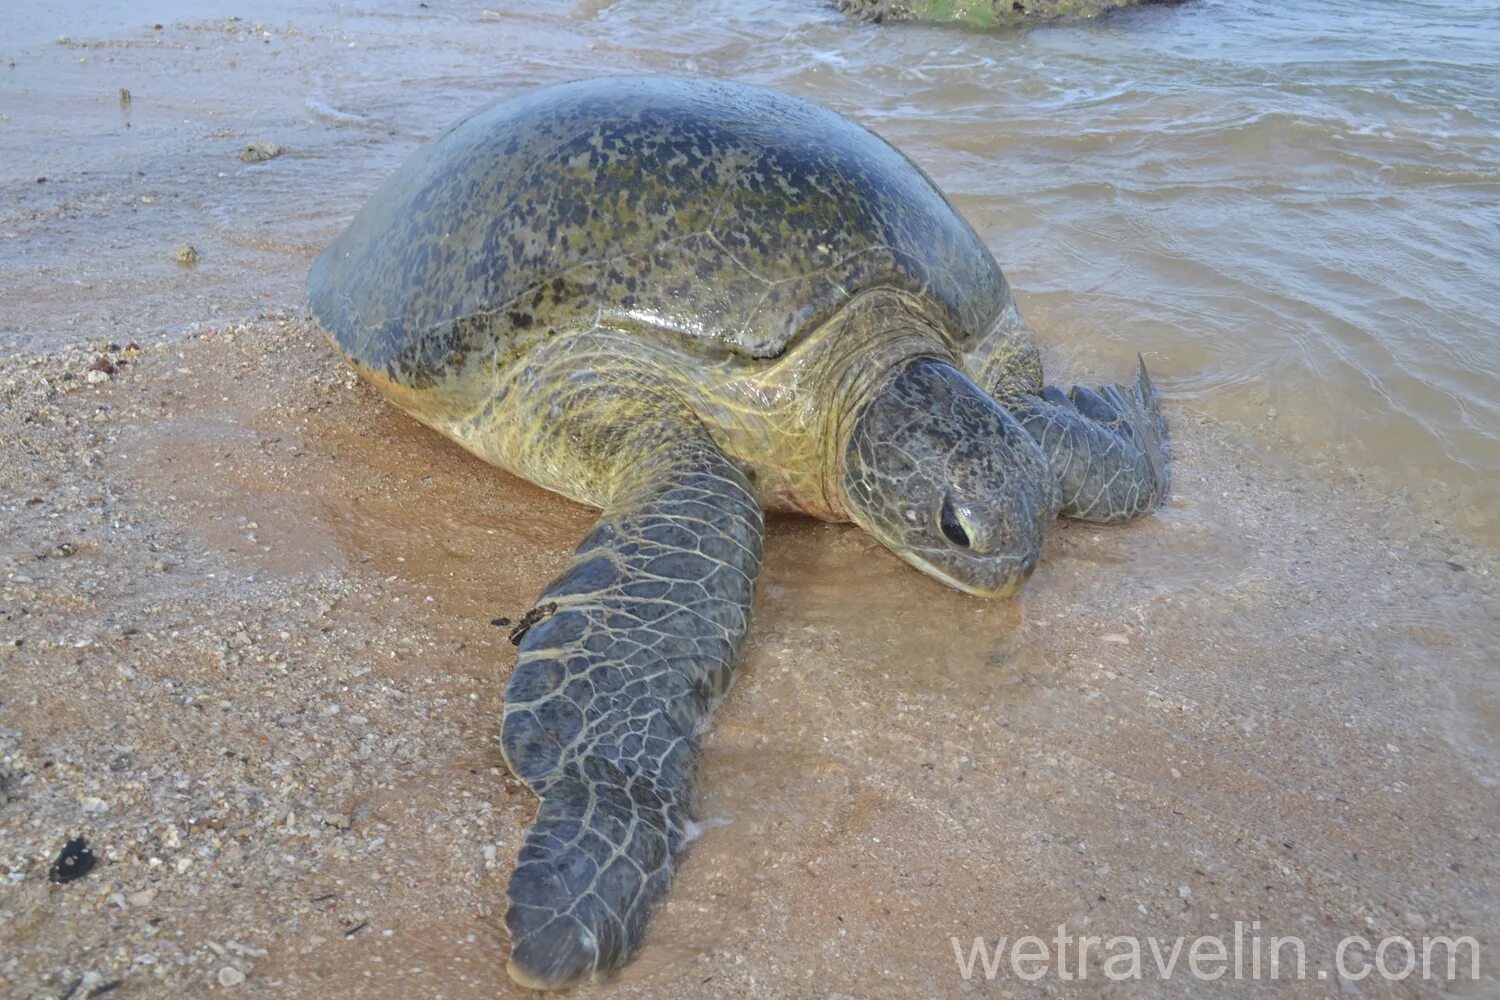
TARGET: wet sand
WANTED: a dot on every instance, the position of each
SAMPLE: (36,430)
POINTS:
(246,645)
(265,685)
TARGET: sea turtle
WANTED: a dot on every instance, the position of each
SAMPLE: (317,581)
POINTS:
(684,301)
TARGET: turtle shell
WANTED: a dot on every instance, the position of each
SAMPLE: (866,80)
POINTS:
(733,218)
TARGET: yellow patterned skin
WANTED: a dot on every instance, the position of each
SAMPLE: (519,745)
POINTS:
(559,415)
(684,302)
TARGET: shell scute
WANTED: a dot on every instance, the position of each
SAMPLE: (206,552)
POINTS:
(732,218)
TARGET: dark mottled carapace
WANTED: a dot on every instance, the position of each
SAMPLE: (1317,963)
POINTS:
(735,217)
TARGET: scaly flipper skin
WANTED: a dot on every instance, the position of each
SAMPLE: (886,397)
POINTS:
(1107,448)
(609,694)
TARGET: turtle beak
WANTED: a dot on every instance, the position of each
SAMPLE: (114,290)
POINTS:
(991,586)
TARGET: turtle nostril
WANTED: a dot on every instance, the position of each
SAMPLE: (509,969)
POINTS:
(952,528)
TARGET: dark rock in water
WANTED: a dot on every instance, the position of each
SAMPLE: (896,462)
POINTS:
(984,13)
(74,861)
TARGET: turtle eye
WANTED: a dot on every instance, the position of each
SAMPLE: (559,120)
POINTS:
(952,528)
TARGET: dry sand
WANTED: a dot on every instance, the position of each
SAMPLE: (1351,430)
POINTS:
(246,647)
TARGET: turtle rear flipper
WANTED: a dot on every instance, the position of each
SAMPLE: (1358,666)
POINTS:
(1108,448)
(610,692)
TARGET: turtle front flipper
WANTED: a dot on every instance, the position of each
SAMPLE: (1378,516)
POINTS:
(1108,448)
(610,691)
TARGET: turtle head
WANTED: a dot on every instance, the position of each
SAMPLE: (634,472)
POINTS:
(947,479)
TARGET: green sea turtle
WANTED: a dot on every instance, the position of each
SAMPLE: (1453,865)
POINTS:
(684,301)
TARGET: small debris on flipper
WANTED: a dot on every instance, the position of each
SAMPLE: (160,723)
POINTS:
(529,619)
(74,861)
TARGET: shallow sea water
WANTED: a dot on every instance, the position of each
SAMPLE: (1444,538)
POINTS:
(1292,210)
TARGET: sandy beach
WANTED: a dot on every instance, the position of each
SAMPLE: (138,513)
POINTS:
(249,655)
(253,647)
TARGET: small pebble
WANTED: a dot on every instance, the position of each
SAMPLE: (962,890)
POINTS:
(230,976)
(260,152)
(187,254)
(240,948)
(74,861)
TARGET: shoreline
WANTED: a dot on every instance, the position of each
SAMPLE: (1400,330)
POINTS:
(263,683)
(247,647)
